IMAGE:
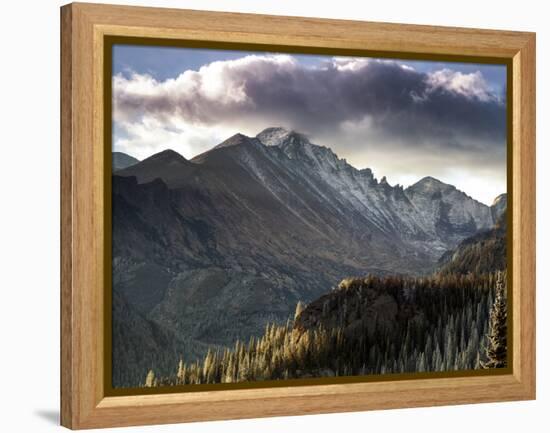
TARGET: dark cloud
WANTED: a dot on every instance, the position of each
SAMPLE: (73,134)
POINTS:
(353,105)
(399,101)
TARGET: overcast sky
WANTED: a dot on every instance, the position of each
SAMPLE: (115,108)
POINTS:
(403,119)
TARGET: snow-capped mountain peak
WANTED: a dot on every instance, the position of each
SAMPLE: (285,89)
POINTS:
(428,185)
(297,146)
(273,136)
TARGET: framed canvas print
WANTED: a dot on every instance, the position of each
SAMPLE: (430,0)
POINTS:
(269,216)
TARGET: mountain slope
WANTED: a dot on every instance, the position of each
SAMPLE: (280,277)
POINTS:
(429,210)
(139,344)
(483,252)
(446,212)
(215,247)
(367,326)
(122,160)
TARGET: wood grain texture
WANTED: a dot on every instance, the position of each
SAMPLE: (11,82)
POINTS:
(67,388)
(524,215)
(83,401)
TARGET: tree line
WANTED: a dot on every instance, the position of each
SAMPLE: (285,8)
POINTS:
(443,322)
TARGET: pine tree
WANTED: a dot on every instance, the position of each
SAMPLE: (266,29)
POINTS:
(496,338)
(150,379)
(181,372)
(299,308)
(207,366)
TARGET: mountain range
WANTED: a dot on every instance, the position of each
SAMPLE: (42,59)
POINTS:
(215,247)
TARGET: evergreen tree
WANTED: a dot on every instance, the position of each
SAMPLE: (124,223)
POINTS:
(150,379)
(299,308)
(497,337)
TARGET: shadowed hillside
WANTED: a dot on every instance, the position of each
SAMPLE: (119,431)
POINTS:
(481,253)
(366,326)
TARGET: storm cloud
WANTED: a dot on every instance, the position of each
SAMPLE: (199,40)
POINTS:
(370,111)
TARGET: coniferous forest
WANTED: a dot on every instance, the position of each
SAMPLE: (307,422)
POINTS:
(368,326)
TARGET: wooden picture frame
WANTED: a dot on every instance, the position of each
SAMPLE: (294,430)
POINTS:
(84,29)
